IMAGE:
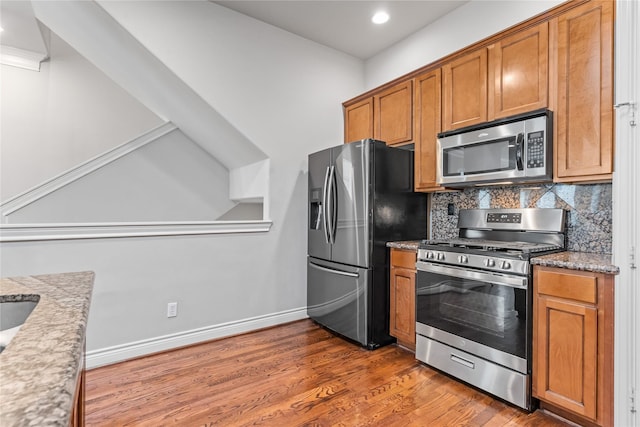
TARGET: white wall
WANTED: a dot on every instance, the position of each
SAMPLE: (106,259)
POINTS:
(466,25)
(65,114)
(169,179)
(285,94)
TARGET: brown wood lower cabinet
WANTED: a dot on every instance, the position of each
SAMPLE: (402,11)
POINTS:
(77,414)
(402,316)
(573,344)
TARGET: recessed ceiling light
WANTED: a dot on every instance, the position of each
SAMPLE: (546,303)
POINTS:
(380,17)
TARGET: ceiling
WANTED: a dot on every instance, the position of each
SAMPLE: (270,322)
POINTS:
(342,25)
(346,25)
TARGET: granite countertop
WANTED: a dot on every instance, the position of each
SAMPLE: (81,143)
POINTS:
(408,245)
(598,263)
(40,366)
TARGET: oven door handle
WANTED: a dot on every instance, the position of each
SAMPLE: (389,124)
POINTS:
(496,278)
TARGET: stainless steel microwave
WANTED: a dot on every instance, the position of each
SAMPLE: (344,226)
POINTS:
(511,150)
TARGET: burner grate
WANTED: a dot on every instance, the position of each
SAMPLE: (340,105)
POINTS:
(492,245)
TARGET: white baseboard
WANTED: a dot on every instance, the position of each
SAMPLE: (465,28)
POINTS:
(119,353)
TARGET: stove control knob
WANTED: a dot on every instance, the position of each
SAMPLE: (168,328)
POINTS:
(489,262)
(463,259)
(430,255)
(505,265)
(440,256)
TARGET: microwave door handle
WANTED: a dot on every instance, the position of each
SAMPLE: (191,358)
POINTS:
(519,151)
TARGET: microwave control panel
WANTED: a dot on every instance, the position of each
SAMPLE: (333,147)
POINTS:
(535,150)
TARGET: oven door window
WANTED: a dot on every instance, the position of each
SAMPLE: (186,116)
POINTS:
(491,314)
(490,156)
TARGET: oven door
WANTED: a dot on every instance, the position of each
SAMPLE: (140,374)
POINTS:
(483,313)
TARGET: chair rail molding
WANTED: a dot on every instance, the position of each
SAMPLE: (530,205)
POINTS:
(21,58)
(41,232)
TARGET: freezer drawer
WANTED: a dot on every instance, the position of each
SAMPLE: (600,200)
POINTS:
(337,297)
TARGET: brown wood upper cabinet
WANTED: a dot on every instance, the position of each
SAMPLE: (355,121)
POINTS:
(582,87)
(465,90)
(518,73)
(386,116)
(358,120)
(427,103)
(573,343)
(393,120)
(509,77)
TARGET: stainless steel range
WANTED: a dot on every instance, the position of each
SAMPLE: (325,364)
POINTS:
(474,297)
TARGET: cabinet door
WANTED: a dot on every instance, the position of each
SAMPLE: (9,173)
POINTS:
(518,73)
(392,108)
(465,90)
(402,302)
(427,105)
(358,120)
(583,39)
(566,355)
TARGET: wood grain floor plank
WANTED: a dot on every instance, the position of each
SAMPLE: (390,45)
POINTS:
(296,374)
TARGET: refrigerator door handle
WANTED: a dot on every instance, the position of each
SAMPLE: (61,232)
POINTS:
(331,270)
(331,208)
(325,210)
(334,204)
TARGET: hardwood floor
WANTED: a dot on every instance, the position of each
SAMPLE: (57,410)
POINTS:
(296,374)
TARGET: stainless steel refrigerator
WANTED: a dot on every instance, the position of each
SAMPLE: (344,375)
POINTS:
(360,197)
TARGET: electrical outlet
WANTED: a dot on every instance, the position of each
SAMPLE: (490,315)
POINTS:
(172,309)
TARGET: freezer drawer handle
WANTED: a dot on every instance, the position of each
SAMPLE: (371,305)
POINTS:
(464,362)
(330,270)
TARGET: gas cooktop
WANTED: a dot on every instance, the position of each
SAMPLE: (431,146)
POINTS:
(472,244)
(502,240)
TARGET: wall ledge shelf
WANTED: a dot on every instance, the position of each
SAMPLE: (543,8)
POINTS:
(72,231)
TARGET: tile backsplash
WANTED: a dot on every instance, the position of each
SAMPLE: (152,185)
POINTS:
(588,206)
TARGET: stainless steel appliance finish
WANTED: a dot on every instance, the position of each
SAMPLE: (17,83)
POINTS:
(504,383)
(474,297)
(360,196)
(514,149)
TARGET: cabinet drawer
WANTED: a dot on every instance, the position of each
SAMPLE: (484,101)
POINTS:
(574,285)
(405,259)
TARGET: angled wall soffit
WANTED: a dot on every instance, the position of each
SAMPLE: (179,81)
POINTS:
(91,31)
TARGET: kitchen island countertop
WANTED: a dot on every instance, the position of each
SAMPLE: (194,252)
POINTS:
(39,368)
